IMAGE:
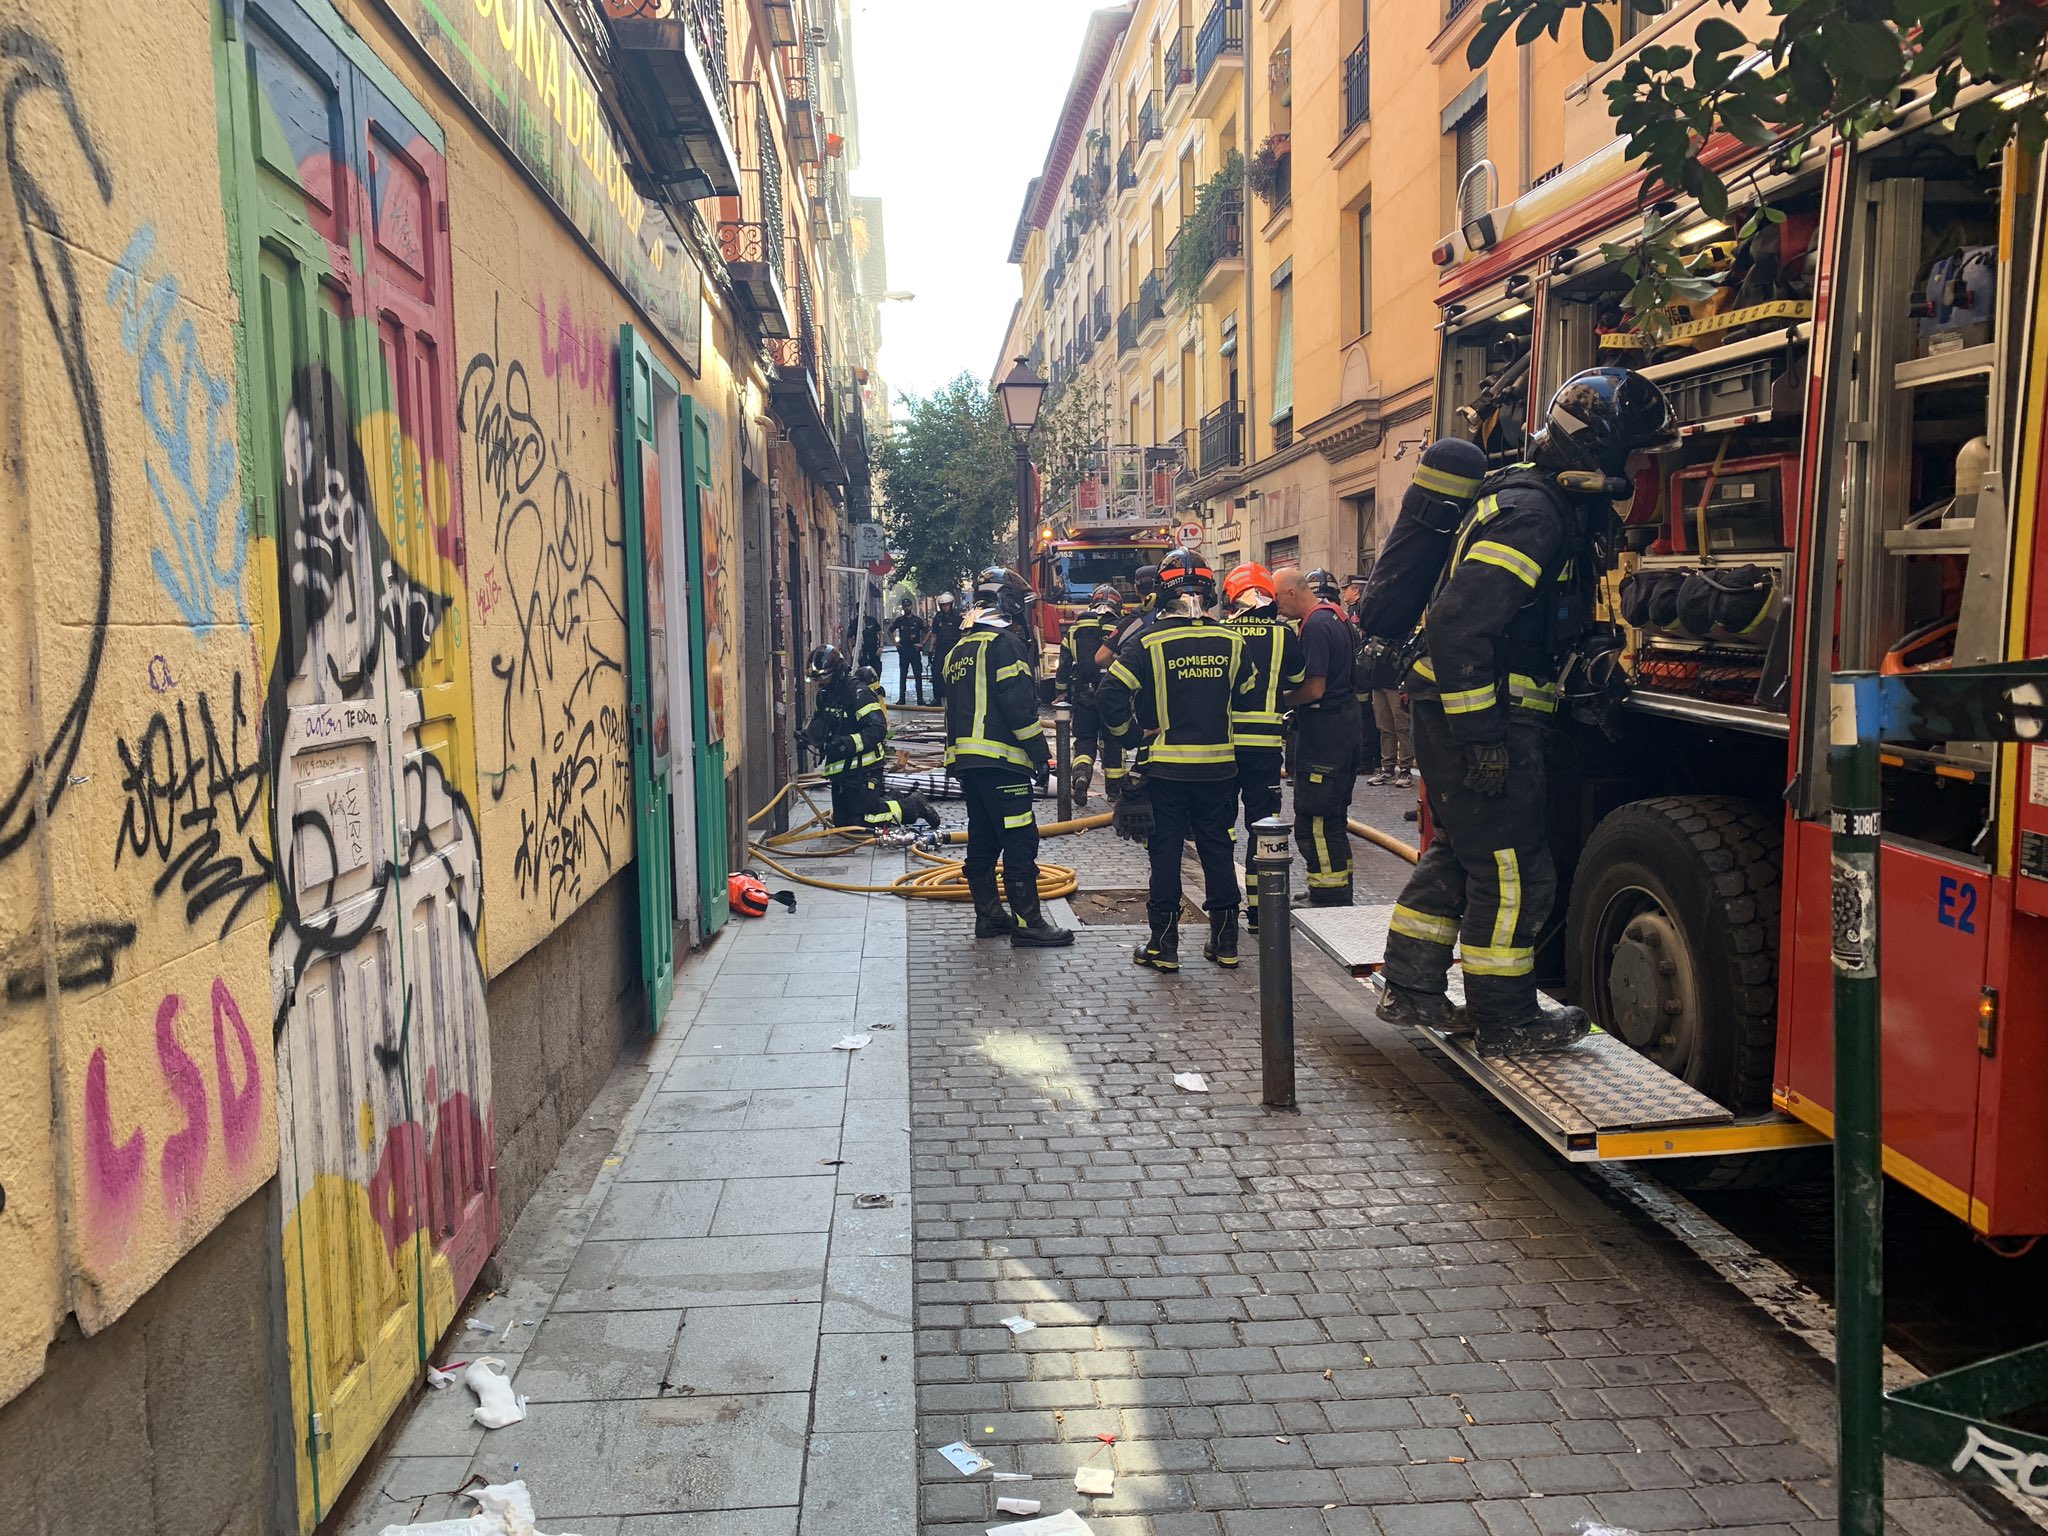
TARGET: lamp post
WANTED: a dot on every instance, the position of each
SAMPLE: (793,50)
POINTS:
(1022,392)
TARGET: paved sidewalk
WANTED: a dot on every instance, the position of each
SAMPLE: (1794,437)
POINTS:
(723,1310)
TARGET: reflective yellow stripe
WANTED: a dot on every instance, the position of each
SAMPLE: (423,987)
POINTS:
(1323,860)
(1509,559)
(1423,669)
(1197,752)
(1466,701)
(1021,819)
(981,746)
(1426,926)
(1027,732)
(1014,669)
(1530,694)
(1507,868)
(1490,961)
(1124,675)
(866,709)
(1489,509)
(1323,881)
(1444,483)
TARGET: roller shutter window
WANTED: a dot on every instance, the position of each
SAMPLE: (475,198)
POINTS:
(1470,141)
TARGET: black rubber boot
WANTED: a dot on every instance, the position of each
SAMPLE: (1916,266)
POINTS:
(1425,1010)
(1162,950)
(1031,930)
(917,808)
(1080,779)
(992,919)
(1554,1029)
(1222,945)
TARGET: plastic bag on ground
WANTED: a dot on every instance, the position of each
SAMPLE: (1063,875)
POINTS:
(495,1404)
(503,1509)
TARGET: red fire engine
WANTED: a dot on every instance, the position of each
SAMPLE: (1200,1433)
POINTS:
(1857,485)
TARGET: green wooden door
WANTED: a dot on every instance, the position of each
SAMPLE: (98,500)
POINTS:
(710,615)
(647,620)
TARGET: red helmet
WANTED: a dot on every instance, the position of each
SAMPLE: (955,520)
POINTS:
(748,895)
(1249,577)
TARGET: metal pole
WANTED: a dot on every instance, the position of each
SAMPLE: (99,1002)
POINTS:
(1859,1108)
(1063,740)
(1274,863)
(1023,506)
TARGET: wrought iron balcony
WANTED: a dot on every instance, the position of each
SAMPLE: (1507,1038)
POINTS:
(1148,129)
(801,71)
(1223,438)
(1126,170)
(1178,73)
(675,65)
(1222,34)
(1151,300)
(1182,448)
(1127,328)
(1100,314)
(754,258)
(1357,79)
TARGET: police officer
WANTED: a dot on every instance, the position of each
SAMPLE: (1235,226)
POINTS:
(1173,690)
(1512,602)
(945,635)
(1077,679)
(907,632)
(1326,732)
(995,746)
(1273,651)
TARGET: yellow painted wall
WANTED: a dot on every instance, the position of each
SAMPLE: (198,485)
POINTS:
(138,1105)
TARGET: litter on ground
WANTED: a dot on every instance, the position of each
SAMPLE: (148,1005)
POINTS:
(503,1509)
(965,1457)
(1098,1482)
(1065,1523)
(1016,1506)
(1191,1082)
(853,1043)
(1019,1324)
(496,1406)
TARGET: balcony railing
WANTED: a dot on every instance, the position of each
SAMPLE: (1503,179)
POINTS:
(677,61)
(1283,180)
(1127,328)
(1151,299)
(1357,78)
(1126,170)
(1181,451)
(1230,227)
(1222,33)
(1099,313)
(1223,438)
(1148,131)
(1177,72)
(1283,432)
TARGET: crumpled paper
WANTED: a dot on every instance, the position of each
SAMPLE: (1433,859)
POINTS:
(496,1406)
(503,1509)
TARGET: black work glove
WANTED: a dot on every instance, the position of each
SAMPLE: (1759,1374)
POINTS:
(839,748)
(1486,768)
(1132,818)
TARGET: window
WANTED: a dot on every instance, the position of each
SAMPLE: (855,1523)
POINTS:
(1189,377)
(1281,552)
(1187,184)
(1158,408)
(1469,148)
(1365,270)
(1635,19)
(1283,356)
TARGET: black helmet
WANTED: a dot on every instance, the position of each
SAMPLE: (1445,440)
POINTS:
(1599,417)
(868,677)
(1106,596)
(1324,584)
(1004,590)
(1188,575)
(1146,580)
(827,663)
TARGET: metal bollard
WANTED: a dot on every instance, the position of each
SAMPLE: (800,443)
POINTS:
(1274,861)
(1063,740)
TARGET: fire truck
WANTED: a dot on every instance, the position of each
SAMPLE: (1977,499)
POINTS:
(1857,484)
(1117,519)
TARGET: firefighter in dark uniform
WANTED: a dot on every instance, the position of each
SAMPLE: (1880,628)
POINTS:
(846,730)
(1512,603)
(995,747)
(1144,608)
(1173,689)
(1078,678)
(1326,732)
(1273,650)
(907,632)
(945,635)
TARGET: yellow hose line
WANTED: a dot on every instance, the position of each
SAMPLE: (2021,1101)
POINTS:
(1380,839)
(943,881)
(1054,828)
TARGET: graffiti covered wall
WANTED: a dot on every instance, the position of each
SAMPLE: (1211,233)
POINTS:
(137,1090)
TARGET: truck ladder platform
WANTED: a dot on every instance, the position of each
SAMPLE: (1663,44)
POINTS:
(1599,1101)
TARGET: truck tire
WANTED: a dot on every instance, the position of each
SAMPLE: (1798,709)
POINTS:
(1672,939)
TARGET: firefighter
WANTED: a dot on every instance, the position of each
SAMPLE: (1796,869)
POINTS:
(1513,601)
(1170,694)
(847,728)
(1144,605)
(907,631)
(945,635)
(1274,652)
(1078,678)
(995,746)
(1326,732)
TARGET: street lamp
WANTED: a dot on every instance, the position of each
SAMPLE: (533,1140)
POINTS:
(1022,392)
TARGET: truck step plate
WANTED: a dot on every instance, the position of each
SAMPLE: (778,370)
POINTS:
(1354,937)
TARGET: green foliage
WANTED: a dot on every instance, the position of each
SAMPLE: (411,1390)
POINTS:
(1825,66)
(1268,168)
(1201,234)
(1073,431)
(949,468)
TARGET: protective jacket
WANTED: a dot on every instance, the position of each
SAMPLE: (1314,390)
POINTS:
(992,703)
(1078,673)
(1175,686)
(1509,608)
(847,726)
(1273,651)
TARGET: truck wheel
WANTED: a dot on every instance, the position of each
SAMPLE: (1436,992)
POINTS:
(1672,935)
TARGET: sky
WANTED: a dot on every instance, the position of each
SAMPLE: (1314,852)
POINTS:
(958,99)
